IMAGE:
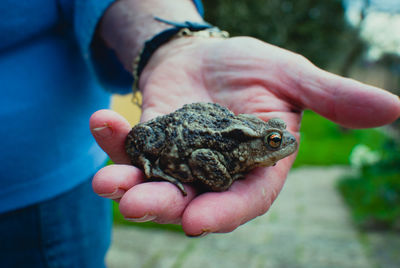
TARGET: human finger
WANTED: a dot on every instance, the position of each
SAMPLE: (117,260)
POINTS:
(114,181)
(345,101)
(289,77)
(160,202)
(110,130)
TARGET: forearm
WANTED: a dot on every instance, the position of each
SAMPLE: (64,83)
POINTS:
(127,24)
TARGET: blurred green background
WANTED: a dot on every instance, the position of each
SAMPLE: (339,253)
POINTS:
(336,36)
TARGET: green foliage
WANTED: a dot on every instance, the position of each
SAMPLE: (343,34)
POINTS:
(313,28)
(325,143)
(374,193)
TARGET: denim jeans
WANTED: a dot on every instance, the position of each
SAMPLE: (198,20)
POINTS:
(70,230)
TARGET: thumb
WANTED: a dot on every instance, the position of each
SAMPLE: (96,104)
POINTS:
(290,77)
(345,101)
(342,100)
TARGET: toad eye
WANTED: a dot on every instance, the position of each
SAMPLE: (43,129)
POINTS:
(274,139)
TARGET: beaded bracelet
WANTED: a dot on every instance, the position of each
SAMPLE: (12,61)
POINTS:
(185,29)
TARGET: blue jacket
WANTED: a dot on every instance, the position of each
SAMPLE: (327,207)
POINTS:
(51,81)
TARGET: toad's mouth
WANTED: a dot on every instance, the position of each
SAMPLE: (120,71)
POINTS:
(289,146)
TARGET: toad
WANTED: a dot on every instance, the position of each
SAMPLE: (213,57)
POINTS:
(207,144)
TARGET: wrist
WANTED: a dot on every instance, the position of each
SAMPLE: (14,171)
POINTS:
(128,24)
(178,30)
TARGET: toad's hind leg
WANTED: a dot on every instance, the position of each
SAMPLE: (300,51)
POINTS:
(158,173)
(208,167)
(155,172)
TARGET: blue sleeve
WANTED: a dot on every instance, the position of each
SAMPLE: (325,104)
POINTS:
(101,60)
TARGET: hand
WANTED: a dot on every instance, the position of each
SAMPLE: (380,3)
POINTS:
(247,76)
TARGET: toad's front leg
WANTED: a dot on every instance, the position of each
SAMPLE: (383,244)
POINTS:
(209,168)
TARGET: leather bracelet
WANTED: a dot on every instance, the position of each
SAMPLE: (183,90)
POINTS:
(180,29)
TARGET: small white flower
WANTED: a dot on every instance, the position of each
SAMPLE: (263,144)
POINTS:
(362,155)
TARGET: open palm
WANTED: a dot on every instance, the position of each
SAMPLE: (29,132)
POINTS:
(247,76)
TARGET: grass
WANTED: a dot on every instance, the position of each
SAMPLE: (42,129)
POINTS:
(324,143)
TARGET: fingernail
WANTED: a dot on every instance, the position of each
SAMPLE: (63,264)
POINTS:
(203,234)
(114,195)
(104,131)
(145,218)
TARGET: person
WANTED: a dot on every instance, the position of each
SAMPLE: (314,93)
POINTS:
(56,59)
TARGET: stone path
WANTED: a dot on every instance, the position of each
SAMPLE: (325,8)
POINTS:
(308,226)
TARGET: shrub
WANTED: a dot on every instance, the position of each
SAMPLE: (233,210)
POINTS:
(373,192)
